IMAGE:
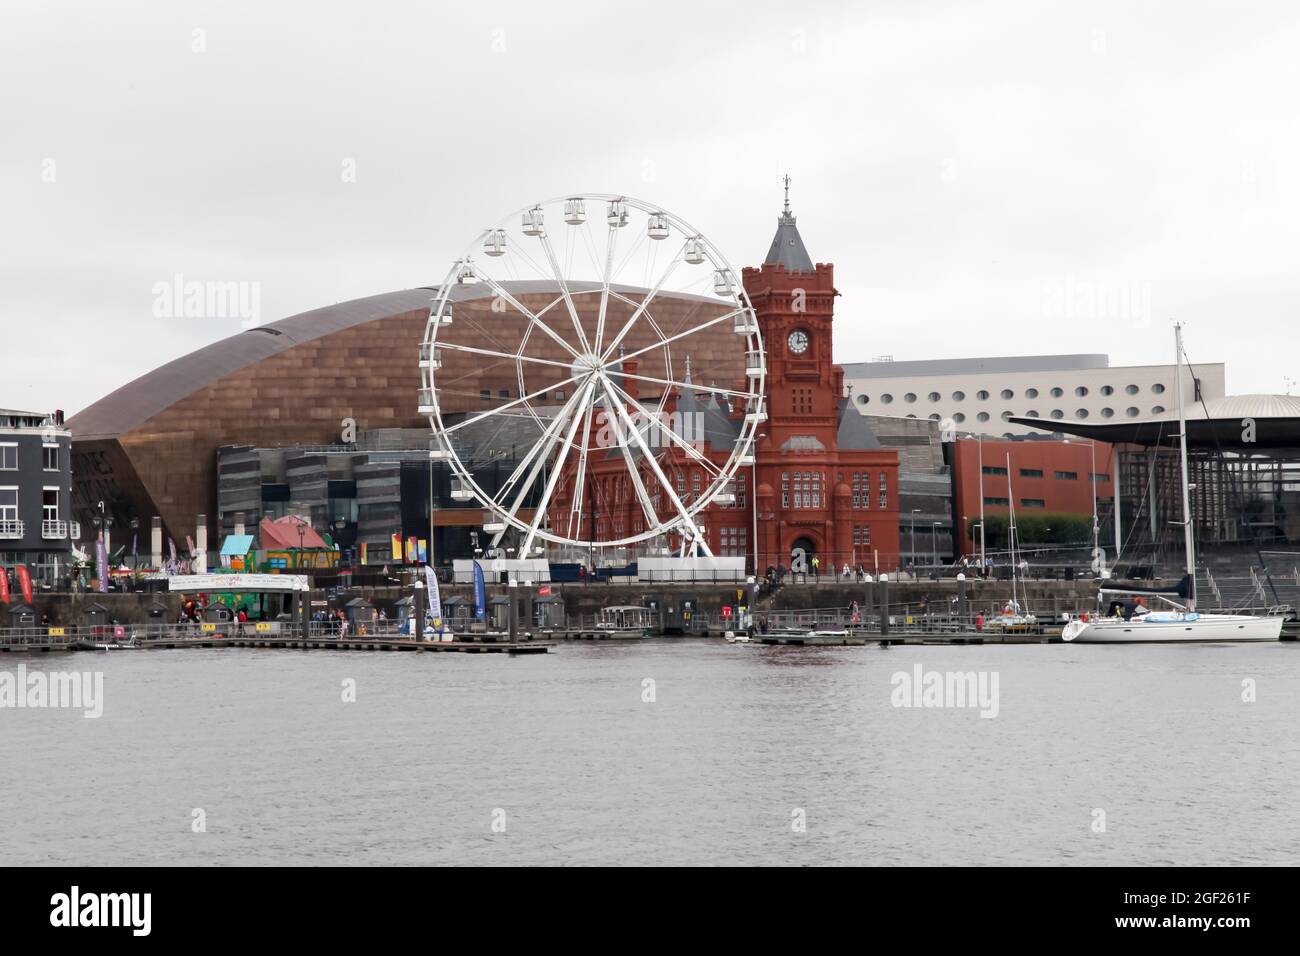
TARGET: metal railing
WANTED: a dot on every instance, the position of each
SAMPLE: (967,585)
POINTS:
(11,529)
(54,530)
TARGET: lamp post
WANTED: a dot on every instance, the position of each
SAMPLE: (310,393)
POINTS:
(980,440)
(911,534)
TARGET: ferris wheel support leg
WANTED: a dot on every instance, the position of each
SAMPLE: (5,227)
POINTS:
(687,520)
(538,455)
(616,426)
(527,546)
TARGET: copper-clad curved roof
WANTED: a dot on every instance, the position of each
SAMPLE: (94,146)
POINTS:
(149,448)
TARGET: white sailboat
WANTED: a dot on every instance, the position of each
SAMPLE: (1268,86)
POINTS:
(1181,624)
(1014,617)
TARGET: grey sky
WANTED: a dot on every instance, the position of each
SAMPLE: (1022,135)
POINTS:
(988,179)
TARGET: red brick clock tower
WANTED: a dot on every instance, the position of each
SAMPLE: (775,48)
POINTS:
(825,486)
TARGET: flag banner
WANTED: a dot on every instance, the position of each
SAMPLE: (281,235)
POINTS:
(4,585)
(25,582)
(410,550)
(397,547)
(435,598)
(101,565)
(364,556)
(480,594)
(422,551)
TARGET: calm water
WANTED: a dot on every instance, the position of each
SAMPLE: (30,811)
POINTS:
(710,772)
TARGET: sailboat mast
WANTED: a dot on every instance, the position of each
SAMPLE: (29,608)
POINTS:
(1189,542)
(1011,533)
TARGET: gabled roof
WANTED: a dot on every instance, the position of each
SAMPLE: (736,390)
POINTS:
(281,534)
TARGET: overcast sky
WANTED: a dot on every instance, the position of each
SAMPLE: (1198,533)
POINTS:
(989,179)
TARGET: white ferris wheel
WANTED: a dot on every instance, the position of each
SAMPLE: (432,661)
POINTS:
(593,309)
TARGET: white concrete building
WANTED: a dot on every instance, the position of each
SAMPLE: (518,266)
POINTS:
(980,395)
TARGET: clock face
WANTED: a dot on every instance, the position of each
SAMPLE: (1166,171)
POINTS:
(798,341)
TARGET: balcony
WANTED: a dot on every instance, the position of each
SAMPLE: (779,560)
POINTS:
(11,529)
(54,530)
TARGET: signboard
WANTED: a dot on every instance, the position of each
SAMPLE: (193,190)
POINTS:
(57,632)
(237,582)
(263,625)
(726,611)
(544,591)
(208,627)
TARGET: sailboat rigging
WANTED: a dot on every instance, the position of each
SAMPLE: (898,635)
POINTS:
(1181,624)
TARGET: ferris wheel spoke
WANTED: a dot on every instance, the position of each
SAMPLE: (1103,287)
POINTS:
(643,496)
(690,387)
(657,420)
(564,291)
(522,399)
(501,291)
(508,356)
(645,303)
(687,520)
(604,286)
(555,476)
(680,335)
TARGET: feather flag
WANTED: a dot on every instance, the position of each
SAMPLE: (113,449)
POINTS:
(480,594)
(25,582)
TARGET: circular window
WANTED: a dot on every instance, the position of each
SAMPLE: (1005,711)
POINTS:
(1081,391)
(1007,393)
(958,417)
(911,416)
(1131,412)
(1057,413)
(982,416)
(910,397)
(1157,409)
(1031,414)
(886,398)
(862,399)
(934,418)
(1006,416)
(933,396)
(1108,390)
(1158,388)
(1008,435)
(1031,393)
(982,395)
(1080,413)
(1131,389)
(959,396)
(1057,392)
(1107,413)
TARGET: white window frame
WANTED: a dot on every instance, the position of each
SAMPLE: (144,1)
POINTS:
(45,446)
(58,503)
(14,446)
(15,490)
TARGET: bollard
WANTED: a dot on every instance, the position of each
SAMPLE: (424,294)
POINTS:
(883,593)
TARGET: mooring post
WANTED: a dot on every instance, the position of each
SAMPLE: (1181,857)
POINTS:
(962,609)
(882,591)
(417,611)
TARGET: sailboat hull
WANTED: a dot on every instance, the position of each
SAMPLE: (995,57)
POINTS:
(1174,629)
